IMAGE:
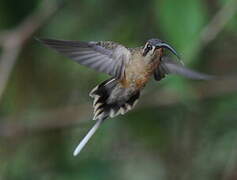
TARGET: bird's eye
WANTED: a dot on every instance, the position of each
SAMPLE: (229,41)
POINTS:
(149,47)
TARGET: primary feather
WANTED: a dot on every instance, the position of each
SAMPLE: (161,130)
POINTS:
(106,57)
(168,66)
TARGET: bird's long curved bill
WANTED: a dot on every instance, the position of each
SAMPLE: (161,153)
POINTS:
(167,46)
(84,141)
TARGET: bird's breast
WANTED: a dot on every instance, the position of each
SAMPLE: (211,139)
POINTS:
(137,74)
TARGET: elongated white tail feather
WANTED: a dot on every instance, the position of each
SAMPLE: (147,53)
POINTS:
(83,142)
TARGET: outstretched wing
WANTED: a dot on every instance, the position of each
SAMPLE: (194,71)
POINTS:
(107,57)
(169,66)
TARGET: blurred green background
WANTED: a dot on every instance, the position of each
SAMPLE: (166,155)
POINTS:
(180,130)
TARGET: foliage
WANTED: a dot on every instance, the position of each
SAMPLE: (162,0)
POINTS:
(188,134)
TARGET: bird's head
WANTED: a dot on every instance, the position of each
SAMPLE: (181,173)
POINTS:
(154,48)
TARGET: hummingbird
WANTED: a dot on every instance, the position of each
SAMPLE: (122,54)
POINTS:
(130,70)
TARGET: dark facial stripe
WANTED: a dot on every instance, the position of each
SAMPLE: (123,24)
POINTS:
(147,49)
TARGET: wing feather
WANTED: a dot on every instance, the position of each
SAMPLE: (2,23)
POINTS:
(169,66)
(93,54)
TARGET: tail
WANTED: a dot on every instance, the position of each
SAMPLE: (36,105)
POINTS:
(83,142)
(110,100)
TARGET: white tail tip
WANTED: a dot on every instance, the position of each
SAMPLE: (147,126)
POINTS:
(82,144)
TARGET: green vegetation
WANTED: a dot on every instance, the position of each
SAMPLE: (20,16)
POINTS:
(180,130)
